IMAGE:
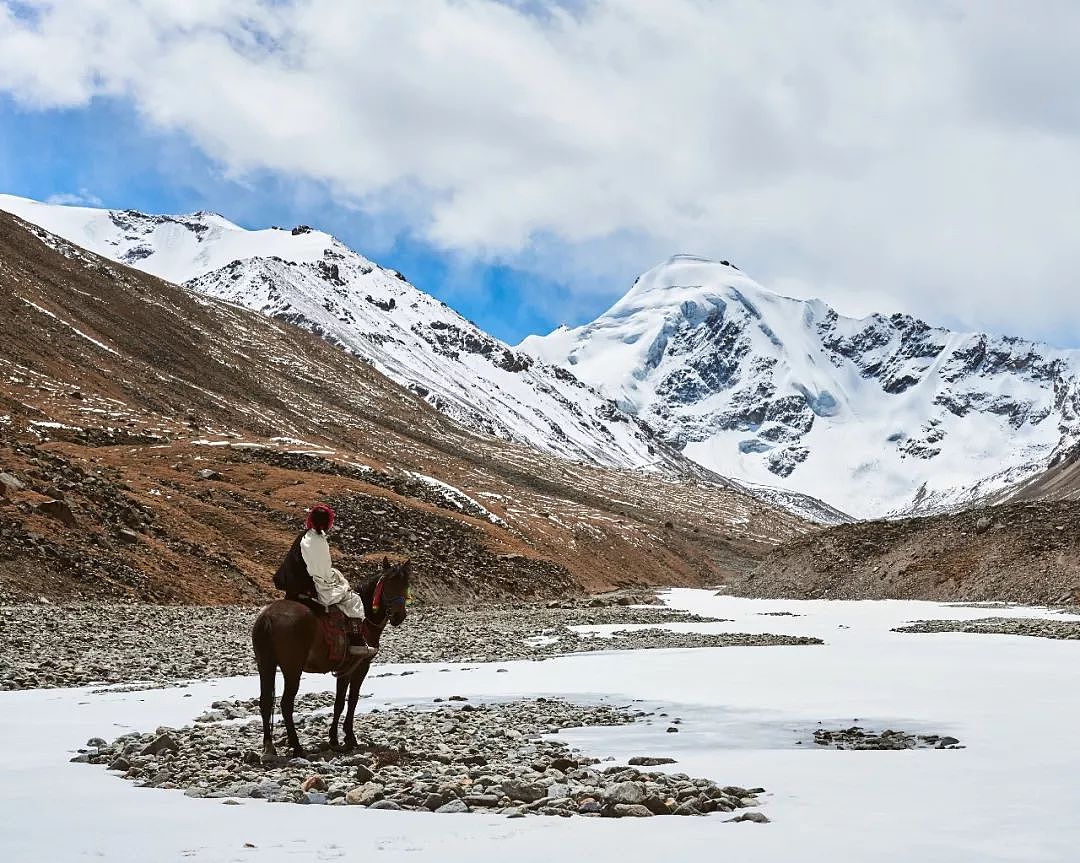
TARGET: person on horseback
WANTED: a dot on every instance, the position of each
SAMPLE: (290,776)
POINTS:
(307,574)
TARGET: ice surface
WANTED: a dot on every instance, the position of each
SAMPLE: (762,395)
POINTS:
(1011,795)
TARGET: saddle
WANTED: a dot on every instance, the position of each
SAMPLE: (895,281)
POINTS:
(336,631)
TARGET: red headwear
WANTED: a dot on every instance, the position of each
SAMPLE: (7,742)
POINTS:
(320,507)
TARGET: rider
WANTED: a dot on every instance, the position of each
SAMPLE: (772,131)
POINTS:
(307,573)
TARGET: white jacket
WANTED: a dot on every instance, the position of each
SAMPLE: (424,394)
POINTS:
(330,584)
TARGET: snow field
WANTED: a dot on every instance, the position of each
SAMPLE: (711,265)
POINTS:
(1011,795)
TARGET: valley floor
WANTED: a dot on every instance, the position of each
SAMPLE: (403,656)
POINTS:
(748,718)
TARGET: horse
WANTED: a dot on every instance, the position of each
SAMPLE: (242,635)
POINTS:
(285,636)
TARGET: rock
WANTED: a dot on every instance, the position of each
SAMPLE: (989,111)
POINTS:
(318,798)
(433,801)
(589,806)
(755,817)
(58,510)
(9,484)
(364,795)
(208,473)
(685,809)
(672,730)
(982,525)
(649,761)
(313,783)
(631,810)
(626,793)
(161,743)
(524,792)
(385,804)
(120,763)
(558,791)
(483,801)
(127,536)
(363,773)
(96,743)
(453,807)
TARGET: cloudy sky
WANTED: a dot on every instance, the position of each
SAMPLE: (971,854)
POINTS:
(525,160)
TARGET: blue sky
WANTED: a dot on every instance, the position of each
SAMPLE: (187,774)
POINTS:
(103,152)
(525,167)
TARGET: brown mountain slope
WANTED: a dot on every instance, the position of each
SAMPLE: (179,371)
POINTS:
(1016,552)
(183,437)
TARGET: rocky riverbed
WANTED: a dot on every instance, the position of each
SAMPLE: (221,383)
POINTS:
(1033,626)
(856,737)
(449,757)
(52,645)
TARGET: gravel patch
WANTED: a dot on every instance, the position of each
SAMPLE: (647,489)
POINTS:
(493,758)
(49,645)
(856,737)
(1035,627)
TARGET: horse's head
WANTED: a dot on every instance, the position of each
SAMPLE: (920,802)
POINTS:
(394,580)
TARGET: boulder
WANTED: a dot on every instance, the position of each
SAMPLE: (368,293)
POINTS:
(58,510)
(626,793)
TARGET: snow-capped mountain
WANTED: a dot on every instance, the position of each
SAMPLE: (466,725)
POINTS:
(309,278)
(881,415)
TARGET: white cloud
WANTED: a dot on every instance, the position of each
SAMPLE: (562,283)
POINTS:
(920,151)
(83,197)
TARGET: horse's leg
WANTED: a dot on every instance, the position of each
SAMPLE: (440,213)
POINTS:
(267,677)
(355,682)
(339,706)
(288,699)
(265,658)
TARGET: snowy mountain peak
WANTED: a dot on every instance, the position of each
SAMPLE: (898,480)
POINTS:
(878,415)
(309,278)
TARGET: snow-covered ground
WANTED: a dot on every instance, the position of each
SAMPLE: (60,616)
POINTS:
(1011,795)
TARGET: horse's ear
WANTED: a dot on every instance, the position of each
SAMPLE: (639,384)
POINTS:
(385,562)
(406,567)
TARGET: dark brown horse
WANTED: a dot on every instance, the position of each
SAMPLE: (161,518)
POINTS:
(285,636)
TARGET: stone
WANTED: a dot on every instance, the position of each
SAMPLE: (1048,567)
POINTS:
(558,791)
(127,536)
(313,783)
(685,809)
(484,801)
(589,806)
(120,763)
(754,817)
(649,761)
(453,807)
(631,810)
(363,773)
(433,801)
(627,793)
(58,510)
(982,525)
(385,804)
(672,730)
(161,743)
(317,798)
(524,792)
(96,743)
(364,795)
(9,484)
(208,473)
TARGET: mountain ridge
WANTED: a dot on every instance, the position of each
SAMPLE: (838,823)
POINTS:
(881,415)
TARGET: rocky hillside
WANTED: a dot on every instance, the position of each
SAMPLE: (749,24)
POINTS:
(884,415)
(1017,552)
(308,278)
(158,445)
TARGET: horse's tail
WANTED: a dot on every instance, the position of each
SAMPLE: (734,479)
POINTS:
(262,640)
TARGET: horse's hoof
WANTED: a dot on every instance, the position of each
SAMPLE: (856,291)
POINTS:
(350,744)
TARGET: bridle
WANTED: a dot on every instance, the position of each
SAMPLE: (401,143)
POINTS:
(380,609)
